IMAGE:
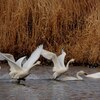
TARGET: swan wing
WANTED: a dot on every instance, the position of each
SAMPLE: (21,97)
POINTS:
(51,56)
(12,64)
(94,75)
(10,56)
(61,58)
(57,65)
(47,54)
(33,58)
(20,62)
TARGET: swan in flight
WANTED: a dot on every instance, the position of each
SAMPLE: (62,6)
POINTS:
(58,61)
(78,77)
(19,71)
(94,75)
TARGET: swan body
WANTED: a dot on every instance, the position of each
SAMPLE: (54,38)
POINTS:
(58,61)
(20,72)
(94,75)
(78,77)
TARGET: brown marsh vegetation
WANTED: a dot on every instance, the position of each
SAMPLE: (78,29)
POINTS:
(70,24)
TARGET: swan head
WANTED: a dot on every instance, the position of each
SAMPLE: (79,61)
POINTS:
(82,72)
(72,60)
(63,52)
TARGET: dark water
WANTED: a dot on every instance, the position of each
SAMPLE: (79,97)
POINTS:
(40,86)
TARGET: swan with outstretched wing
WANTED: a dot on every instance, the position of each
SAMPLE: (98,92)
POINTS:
(20,72)
(58,61)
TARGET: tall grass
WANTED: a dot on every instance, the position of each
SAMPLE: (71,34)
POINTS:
(69,24)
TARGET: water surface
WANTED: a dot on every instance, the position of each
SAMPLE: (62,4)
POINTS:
(40,86)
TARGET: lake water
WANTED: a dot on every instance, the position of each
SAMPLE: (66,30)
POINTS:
(40,86)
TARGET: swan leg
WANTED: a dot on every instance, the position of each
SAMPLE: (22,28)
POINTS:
(18,80)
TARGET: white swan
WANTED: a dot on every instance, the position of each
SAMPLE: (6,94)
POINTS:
(59,66)
(20,61)
(78,77)
(20,72)
(94,75)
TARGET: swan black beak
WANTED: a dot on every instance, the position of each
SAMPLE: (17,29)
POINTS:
(85,74)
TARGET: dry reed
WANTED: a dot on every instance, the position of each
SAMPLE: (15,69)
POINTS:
(70,24)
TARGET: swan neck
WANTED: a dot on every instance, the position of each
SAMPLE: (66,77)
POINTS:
(78,76)
(67,66)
